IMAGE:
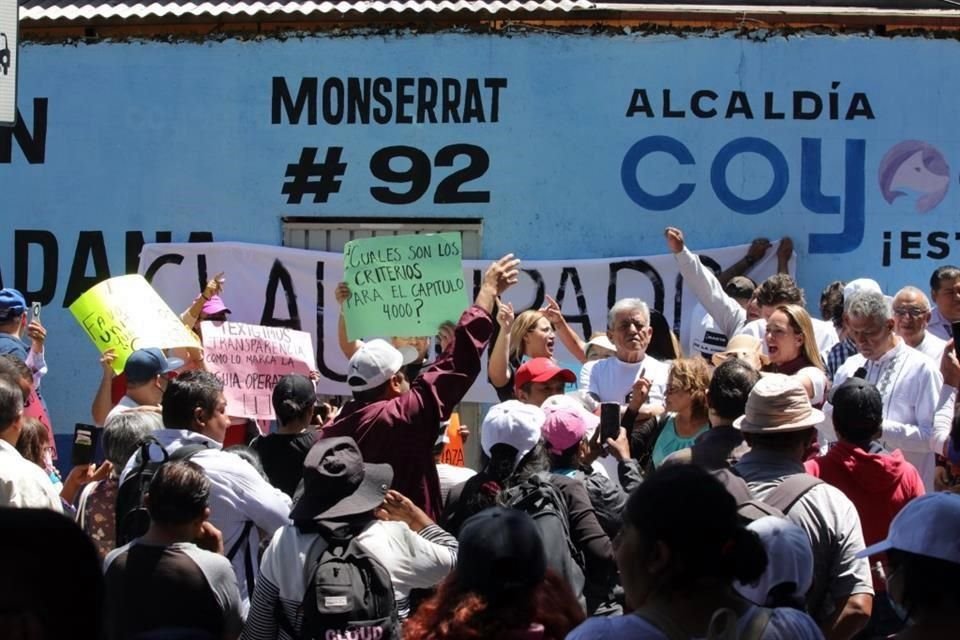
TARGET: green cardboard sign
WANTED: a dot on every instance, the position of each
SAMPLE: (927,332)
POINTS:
(403,285)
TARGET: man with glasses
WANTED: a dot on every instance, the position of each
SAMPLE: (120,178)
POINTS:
(945,293)
(911,316)
(614,379)
(909,383)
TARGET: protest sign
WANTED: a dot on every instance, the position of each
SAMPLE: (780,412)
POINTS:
(249,359)
(126,314)
(453,448)
(403,285)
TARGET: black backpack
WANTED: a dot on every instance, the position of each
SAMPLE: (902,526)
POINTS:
(132,519)
(349,594)
(538,498)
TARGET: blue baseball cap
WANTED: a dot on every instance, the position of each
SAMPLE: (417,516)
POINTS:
(144,365)
(12,304)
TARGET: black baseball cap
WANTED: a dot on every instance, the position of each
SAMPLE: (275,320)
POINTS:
(501,552)
(293,394)
(856,401)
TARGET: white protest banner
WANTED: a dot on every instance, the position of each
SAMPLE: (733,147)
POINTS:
(294,288)
(250,359)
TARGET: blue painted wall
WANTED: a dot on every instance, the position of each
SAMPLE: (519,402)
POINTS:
(151,137)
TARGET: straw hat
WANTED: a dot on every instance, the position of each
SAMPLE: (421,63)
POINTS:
(778,403)
(742,346)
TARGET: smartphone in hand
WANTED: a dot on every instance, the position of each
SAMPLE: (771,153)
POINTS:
(955,329)
(85,438)
(35,311)
(609,421)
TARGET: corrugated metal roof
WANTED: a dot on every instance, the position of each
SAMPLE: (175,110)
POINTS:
(935,11)
(60,10)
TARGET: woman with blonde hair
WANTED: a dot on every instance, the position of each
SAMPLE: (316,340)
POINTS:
(792,349)
(532,334)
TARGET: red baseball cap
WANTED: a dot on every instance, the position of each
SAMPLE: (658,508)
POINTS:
(541,370)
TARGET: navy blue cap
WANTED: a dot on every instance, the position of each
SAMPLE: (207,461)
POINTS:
(501,552)
(145,364)
(12,304)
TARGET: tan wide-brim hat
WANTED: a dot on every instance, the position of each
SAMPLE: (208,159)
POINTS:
(778,403)
(741,346)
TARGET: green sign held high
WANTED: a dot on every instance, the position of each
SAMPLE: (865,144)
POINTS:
(403,285)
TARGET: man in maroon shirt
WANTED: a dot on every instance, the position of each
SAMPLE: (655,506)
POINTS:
(396,421)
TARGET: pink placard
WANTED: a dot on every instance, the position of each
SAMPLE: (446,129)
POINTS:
(249,359)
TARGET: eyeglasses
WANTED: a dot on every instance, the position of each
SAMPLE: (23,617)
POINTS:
(913,312)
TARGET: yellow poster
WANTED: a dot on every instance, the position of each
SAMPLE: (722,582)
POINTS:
(126,314)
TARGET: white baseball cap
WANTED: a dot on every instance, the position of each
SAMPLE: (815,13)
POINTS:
(789,559)
(514,423)
(376,362)
(922,528)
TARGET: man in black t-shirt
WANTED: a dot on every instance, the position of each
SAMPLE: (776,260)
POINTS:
(282,453)
(163,584)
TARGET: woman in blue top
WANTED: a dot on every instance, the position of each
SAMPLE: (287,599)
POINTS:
(683,421)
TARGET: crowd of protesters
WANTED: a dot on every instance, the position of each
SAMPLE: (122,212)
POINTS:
(780,476)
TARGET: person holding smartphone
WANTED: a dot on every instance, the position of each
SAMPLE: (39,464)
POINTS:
(14,324)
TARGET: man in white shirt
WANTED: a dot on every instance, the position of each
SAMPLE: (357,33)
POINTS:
(613,379)
(242,503)
(909,383)
(22,483)
(911,316)
(729,316)
(945,293)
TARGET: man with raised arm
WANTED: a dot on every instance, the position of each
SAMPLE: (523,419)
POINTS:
(395,420)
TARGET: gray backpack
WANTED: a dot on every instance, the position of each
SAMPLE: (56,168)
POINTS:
(776,503)
(349,594)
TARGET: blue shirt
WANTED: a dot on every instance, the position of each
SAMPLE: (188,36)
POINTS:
(668,441)
(13,345)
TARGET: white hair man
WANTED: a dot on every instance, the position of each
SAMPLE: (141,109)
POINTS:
(614,379)
(911,316)
(909,382)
